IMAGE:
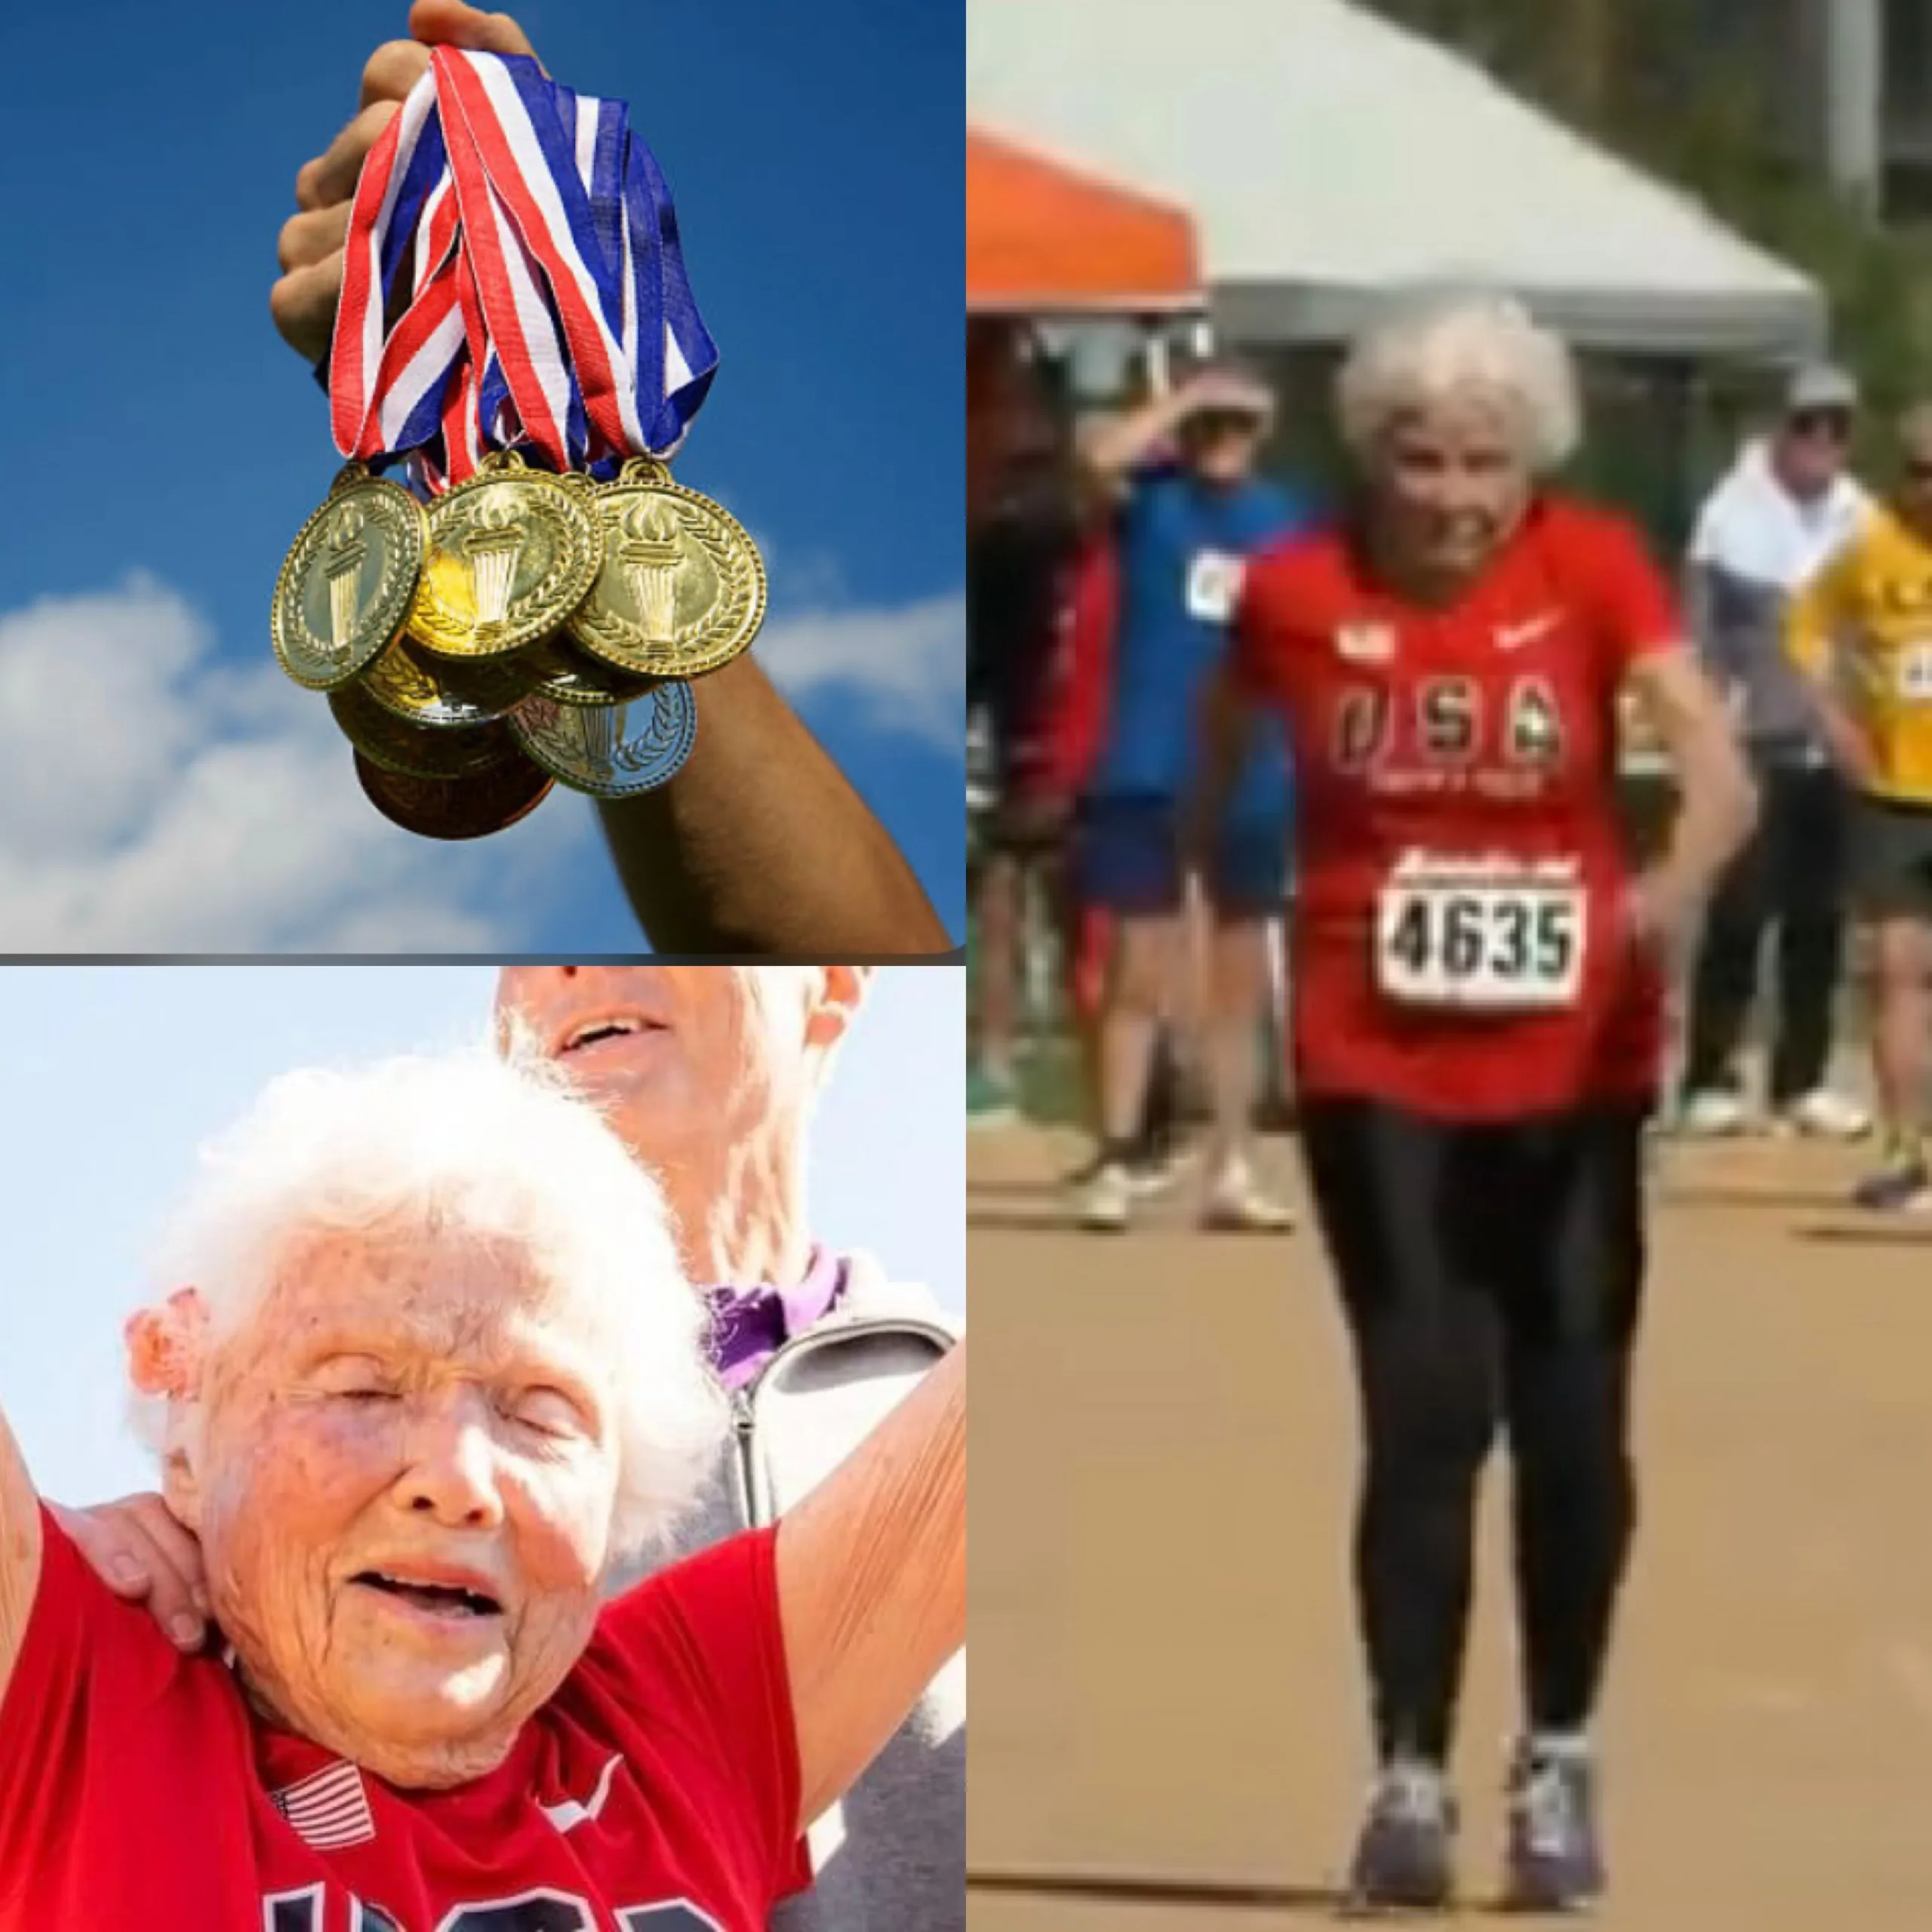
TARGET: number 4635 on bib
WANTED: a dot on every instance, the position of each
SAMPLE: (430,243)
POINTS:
(1480,934)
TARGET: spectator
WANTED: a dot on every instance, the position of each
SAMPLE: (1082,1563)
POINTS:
(1787,506)
(1021,541)
(1190,509)
(1858,632)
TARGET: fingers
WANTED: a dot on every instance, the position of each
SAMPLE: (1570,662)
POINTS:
(330,177)
(143,1555)
(179,1598)
(303,304)
(450,23)
(307,240)
(392,70)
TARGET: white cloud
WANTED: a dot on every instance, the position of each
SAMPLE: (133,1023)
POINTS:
(153,799)
(901,670)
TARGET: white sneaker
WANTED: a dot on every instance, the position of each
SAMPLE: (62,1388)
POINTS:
(1713,1114)
(1821,1115)
(1236,1205)
(1105,1200)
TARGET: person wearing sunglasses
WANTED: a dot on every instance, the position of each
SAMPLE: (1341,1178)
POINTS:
(1787,506)
(1188,508)
(1862,632)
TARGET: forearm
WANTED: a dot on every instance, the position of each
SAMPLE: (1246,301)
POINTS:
(1717,805)
(1114,450)
(871,1570)
(20,1551)
(760,845)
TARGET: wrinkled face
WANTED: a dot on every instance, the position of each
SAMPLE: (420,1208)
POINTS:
(1811,451)
(688,1062)
(1223,446)
(405,1495)
(1449,484)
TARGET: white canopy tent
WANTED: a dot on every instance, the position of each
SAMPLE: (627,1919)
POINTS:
(1327,155)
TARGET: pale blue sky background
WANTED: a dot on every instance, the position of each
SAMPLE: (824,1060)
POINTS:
(113,1076)
(162,788)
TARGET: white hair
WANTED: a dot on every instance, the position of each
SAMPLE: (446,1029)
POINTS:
(1442,348)
(497,1145)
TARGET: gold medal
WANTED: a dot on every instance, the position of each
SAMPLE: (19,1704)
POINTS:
(511,554)
(681,590)
(415,751)
(470,807)
(556,669)
(345,587)
(615,752)
(440,693)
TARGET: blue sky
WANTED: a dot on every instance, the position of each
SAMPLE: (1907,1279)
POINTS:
(114,1075)
(157,790)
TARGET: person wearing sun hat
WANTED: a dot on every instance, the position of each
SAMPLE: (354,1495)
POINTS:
(1788,505)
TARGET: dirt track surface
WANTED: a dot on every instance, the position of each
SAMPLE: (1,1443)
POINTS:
(1166,1710)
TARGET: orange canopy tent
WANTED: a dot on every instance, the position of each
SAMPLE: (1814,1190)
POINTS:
(1042,239)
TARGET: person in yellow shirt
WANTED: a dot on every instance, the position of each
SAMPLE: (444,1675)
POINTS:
(1862,632)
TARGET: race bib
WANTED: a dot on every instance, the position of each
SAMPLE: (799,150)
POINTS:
(1913,669)
(1214,582)
(1481,935)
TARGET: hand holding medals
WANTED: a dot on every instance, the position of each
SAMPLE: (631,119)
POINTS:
(538,619)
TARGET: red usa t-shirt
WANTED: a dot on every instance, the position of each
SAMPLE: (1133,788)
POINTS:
(658,1791)
(1459,937)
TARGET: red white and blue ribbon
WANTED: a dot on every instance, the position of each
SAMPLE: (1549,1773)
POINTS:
(513,277)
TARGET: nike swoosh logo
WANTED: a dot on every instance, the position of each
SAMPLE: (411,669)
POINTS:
(1513,637)
(567,1816)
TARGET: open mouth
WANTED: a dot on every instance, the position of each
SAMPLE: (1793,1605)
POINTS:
(439,1599)
(605,1026)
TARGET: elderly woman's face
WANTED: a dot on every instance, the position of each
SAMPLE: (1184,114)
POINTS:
(1451,483)
(405,1497)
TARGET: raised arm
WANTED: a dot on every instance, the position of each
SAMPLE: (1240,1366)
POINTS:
(20,1552)
(1110,450)
(872,1584)
(759,845)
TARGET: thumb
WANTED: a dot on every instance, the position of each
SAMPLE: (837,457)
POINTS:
(450,23)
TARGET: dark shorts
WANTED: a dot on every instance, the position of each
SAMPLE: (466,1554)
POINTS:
(1890,855)
(1127,860)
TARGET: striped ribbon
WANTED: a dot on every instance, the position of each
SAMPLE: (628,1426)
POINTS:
(513,277)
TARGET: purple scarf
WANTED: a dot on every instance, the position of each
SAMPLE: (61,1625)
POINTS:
(749,1325)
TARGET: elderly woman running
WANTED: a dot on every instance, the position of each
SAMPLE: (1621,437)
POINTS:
(433,1371)
(1478,1026)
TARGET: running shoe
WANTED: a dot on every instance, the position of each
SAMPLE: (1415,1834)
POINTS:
(1104,1200)
(1404,1860)
(1714,1113)
(1236,1204)
(1900,1185)
(1823,1115)
(1555,1860)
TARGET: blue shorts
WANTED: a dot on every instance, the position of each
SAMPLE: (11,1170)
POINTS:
(1127,859)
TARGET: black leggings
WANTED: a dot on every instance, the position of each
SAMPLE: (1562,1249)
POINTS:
(1491,1274)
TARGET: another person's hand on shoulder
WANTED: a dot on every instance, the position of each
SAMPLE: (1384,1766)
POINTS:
(136,1548)
(303,299)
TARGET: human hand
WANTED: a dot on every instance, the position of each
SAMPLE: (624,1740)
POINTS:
(303,299)
(140,1552)
(1660,904)
(1225,391)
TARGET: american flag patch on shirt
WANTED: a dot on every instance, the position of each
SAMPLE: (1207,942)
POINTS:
(329,1810)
